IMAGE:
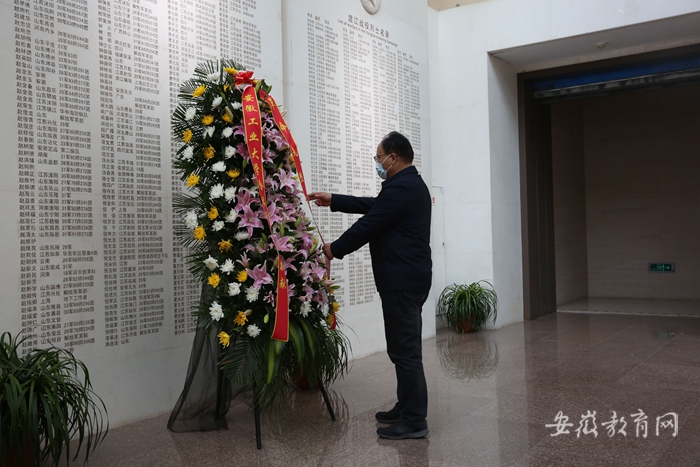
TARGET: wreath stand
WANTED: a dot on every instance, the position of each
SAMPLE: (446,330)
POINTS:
(258,437)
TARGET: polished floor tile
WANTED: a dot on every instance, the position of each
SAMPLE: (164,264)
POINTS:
(568,389)
(634,306)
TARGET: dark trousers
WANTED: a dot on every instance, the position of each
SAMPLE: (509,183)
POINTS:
(402,327)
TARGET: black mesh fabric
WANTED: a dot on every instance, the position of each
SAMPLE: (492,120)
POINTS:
(206,397)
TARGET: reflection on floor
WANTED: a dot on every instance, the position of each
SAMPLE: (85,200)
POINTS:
(492,396)
(633,306)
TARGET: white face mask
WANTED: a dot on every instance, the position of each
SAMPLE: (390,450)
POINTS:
(381,171)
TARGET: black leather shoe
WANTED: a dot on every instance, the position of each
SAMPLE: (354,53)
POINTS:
(387,417)
(401,431)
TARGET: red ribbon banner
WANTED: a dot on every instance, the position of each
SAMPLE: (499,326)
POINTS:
(253,136)
(284,129)
(296,161)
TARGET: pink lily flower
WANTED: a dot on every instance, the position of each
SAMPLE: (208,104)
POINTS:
(244,261)
(239,131)
(270,298)
(268,155)
(308,294)
(286,180)
(289,264)
(245,199)
(318,271)
(307,239)
(259,276)
(250,220)
(274,213)
(242,149)
(282,243)
(256,248)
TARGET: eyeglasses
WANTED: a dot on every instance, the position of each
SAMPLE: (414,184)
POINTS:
(376,158)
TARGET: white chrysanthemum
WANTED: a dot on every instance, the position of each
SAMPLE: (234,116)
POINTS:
(234,289)
(305,309)
(254,191)
(188,153)
(324,310)
(219,167)
(190,113)
(253,330)
(216,102)
(191,220)
(251,294)
(231,217)
(227,268)
(211,263)
(236,105)
(209,131)
(228,131)
(242,235)
(230,193)
(218,225)
(229,152)
(217,191)
(214,77)
(216,312)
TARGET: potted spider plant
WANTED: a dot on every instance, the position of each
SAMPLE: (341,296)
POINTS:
(467,308)
(46,400)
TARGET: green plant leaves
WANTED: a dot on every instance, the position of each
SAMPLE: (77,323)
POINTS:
(46,399)
(472,304)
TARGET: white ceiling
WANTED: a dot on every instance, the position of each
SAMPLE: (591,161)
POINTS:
(628,40)
(445,4)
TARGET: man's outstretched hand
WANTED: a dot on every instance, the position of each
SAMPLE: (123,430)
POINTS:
(321,197)
(327,251)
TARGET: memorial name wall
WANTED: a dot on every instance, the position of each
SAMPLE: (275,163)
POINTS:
(354,78)
(91,261)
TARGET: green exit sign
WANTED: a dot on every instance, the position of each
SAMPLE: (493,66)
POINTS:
(662,267)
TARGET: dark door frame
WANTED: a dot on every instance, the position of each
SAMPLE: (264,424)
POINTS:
(536,184)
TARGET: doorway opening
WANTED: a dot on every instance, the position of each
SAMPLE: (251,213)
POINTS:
(610,185)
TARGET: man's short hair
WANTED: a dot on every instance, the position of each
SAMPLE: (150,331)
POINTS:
(398,144)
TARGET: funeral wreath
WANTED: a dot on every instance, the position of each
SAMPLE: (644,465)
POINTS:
(251,243)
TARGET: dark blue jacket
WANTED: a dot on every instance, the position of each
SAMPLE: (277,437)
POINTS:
(397,226)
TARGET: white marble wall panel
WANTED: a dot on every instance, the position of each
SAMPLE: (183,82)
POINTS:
(376,81)
(92,264)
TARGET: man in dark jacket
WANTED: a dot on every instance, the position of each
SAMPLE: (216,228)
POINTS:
(397,226)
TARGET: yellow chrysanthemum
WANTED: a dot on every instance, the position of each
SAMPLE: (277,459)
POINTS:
(329,320)
(213,213)
(336,307)
(227,116)
(209,152)
(187,135)
(225,245)
(192,180)
(199,233)
(240,318)
(199,91)
(226,87)
(233,173)
(224,339)
(214,279)
(230,70)
(207,120)
(242,276)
